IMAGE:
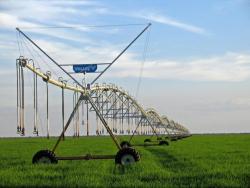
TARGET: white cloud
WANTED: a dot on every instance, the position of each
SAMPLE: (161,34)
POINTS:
(36,14)
(227,67)
(42,13)
(241,102)
(50,10)
(172,22)
(75,3)
(11,21)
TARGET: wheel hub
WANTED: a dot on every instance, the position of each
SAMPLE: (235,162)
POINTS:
(44,160)
(127,159)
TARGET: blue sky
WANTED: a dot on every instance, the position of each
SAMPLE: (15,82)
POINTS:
(197,67)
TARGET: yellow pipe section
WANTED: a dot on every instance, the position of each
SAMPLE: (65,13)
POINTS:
(53,81)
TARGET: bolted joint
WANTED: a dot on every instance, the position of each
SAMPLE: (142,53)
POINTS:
(22,62)
(48,75)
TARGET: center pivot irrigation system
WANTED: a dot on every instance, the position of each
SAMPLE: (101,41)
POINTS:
(117,112)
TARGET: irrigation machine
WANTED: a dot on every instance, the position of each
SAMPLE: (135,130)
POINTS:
(117,112)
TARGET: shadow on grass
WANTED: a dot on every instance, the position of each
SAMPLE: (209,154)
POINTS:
(120,169)
(183,172)
(170,162)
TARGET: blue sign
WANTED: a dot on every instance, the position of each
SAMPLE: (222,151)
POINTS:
(83,68)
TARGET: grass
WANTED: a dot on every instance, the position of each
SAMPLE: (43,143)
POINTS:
(198,161)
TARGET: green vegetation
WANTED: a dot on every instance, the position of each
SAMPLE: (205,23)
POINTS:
(200,160)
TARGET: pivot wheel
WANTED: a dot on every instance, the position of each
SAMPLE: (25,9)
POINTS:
(44,157)
(163,142)
(125,144)
(147,140)
(127,156)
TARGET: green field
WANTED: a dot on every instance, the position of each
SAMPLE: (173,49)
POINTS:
(200,160)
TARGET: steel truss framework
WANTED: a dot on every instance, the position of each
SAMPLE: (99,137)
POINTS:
(116,106)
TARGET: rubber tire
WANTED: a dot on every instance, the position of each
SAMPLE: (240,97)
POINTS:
(47,154)
(147,140)
(125,144)
(163,142)
(126,151)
